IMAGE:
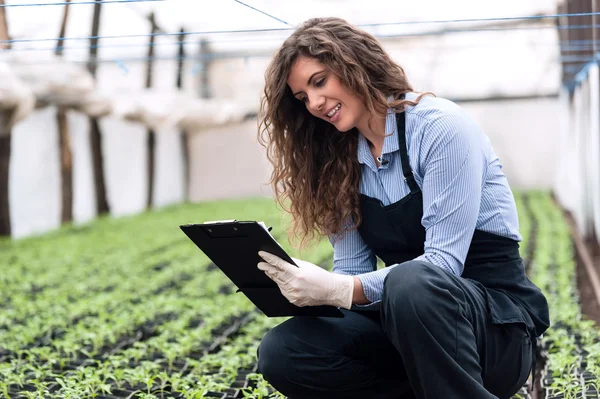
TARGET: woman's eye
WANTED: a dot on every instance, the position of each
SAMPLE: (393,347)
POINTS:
(320,82)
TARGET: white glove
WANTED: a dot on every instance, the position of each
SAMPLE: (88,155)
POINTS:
(308,284)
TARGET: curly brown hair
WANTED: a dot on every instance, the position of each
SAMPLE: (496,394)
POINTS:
(316,172)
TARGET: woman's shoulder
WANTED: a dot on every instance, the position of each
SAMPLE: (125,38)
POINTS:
(435,118)
(431,108)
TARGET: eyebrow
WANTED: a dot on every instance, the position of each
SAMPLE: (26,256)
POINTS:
(309,79)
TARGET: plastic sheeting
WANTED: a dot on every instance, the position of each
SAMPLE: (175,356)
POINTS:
(577,186)
(594,147)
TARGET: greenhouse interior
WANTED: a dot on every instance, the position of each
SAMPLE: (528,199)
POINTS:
(135,175)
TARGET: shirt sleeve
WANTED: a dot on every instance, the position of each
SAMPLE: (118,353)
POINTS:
(352,256)
(453,165)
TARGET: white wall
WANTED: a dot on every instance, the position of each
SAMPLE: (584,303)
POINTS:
(34,175)
(525,135)
(228,162)
(34,185)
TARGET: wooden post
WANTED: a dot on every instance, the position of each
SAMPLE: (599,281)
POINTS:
(570,36)
(3,27)
(64,139)
(95,134)
(560,21)
(204,63)
(63,30)
(587,33)
(185,147)
(66,165)
(5,228)
(180,57)
(5,143)
(595,20)
(92,64)
(151,143)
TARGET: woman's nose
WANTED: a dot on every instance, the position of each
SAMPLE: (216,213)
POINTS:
(317,104)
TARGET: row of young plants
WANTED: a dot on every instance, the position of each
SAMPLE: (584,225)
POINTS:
(192,377)
(571,347)
(526,248)
(90,282)
(131,308)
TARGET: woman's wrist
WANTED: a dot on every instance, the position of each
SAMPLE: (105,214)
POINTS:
(358,297)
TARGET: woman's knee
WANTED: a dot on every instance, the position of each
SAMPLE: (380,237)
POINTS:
(411,275)
(271,354)
(412,283)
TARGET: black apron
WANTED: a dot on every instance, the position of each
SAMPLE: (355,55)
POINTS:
(395,234)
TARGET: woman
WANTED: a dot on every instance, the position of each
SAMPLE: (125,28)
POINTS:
(409,178)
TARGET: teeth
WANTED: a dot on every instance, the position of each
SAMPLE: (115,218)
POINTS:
(333,111)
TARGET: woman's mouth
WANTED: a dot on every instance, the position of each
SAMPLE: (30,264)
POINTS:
(334,114)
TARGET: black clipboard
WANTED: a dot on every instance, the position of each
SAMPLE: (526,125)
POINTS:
(233,247)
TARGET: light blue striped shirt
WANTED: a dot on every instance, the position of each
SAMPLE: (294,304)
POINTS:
(461,179)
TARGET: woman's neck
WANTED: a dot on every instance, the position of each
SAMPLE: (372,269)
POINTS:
(375,133)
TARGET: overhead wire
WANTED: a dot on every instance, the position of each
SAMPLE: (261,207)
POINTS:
(75,3)
(566,45)
(262,12)
(379,24)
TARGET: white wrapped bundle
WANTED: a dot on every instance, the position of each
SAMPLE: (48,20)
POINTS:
(54,81)
(94,104)
(15,96)
(164,110)
(198,114)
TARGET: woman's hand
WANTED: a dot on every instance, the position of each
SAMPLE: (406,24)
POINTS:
(308,284)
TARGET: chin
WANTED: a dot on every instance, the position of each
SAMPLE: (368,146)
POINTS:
(346,127)
(345,124)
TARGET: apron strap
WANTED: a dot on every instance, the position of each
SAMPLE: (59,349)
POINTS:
(406,169)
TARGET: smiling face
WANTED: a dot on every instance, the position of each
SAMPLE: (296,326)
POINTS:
(324,94)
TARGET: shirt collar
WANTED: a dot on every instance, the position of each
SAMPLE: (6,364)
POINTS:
(390,142)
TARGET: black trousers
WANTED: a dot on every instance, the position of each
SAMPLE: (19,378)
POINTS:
(430,339)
